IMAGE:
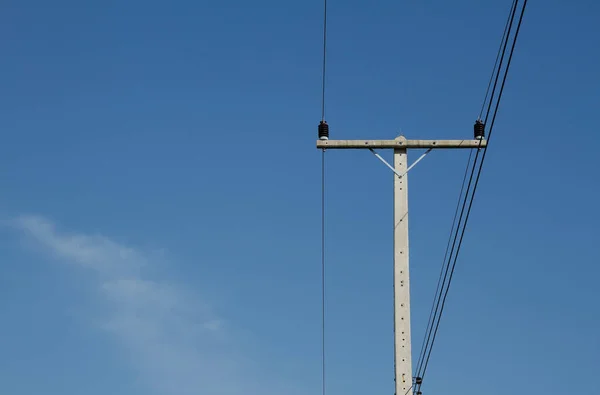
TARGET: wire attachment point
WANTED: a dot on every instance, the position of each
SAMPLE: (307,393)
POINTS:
(479,130)
(323,130)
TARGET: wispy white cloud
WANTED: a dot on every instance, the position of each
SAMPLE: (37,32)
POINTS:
(94,252)
(171,337)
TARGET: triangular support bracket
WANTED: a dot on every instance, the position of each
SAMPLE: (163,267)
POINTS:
(392,167)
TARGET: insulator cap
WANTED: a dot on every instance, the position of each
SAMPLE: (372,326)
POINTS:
(323,131)
(479,130)
(418,380)
(419,393)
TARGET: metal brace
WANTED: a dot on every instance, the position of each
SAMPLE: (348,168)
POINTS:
(392,167)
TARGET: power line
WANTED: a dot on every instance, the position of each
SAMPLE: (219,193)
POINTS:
(422,367)
(323,132)
(496,69)
(512,17)
(324,59)
(512,50)
(438,311)
(323,271)
(452,236)
(438,288)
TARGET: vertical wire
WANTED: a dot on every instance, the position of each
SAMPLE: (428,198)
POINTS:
(324,59)
(323,271)
(512,18)
(323,202)
(504,37)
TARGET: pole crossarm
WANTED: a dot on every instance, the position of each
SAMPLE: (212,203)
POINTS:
(403,373)
(399,143)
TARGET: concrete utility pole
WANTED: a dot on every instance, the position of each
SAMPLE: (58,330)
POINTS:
(402,349)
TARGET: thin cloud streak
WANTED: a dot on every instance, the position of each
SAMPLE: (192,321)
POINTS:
(93,252)
(172,339)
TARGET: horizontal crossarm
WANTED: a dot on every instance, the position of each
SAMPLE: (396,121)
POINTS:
(399,143)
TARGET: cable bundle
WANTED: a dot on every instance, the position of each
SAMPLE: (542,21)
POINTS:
(465,201)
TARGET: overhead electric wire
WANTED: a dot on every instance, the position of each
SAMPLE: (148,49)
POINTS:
(496,69)
(438,288)
(438,312)
(434,314)
(323,271)
(476,184)
(324,59)
(512,51)
(323,202)
(431,333)
(512,17)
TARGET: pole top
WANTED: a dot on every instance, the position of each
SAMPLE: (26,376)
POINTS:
(400,142)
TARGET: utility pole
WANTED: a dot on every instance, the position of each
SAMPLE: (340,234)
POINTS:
(402,345)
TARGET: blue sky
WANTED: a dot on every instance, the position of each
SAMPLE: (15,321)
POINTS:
(160,196)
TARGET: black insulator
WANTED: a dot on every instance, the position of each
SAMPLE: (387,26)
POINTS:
(418,380)
(323,131)
(479,130)
(419,393)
